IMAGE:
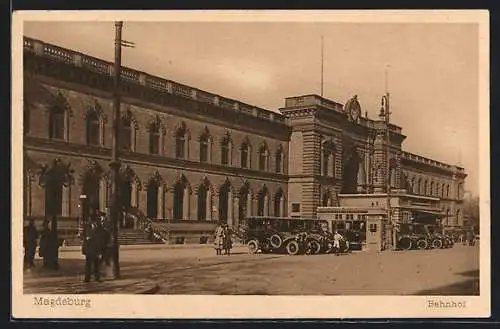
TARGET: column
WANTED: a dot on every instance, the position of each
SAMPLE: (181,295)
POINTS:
(134,195)
(185,204)
(249,204)
(169,203)
(160,203)
(103,189)
(66,201)
(162,137)
(132,136)
(27,200)
(230,220)
(236,204)
(282,206)
(208,205)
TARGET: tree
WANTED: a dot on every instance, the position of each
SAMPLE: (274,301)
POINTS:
(471,211)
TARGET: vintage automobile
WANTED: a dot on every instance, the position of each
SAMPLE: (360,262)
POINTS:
(285,235)
(412,236)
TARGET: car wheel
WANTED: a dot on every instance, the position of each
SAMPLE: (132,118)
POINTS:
(313,247)
(276,241)
(293,248)
(404,244)
(422,244)
(437,243)
(253,246)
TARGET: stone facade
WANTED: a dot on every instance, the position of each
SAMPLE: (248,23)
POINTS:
(189,155)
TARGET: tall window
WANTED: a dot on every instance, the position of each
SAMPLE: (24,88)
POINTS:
(244,155)
(56,122)
(447,191)
(326,160)
(432,189)
(204,140)
(154,139)
(263,158)
(180,142)
(279,160)
(125,134)
(93,129)
(425,187)
(225,145)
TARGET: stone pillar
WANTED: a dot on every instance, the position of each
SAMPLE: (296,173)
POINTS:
(282,206)
(249,204)
(132,137)
(236,204)
(160,203)
(266,205)
(134,195)
(27,196)
(103,189)
(230,206)
(101,132)
(66,201)
(208,205)
(169,203)
(185,204)
(160,143)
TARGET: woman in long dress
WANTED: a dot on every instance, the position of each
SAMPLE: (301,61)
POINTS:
(228,242)
(219,239)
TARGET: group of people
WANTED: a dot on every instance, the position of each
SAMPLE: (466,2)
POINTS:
(48,245)
(222,239)
(95,234)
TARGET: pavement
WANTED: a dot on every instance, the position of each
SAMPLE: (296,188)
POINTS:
(69,280)
(452,271)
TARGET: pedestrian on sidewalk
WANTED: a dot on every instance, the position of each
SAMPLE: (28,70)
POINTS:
(93,245)
(336,242)
(30,237)
(49,247)
(219,239)
(228,242)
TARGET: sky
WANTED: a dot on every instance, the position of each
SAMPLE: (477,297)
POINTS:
(432,69)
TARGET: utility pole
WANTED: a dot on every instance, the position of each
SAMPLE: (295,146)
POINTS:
(387,108)
(115,162)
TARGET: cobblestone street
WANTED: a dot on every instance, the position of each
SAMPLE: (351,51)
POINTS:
(452,271)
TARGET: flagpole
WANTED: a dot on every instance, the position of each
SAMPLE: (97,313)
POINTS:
(322,65)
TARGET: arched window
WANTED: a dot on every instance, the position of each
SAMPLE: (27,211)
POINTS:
(225,150)
(432,189)
(204,147)
(152,198)
(278,204)
(263,158)
(180,142)
(328,159)
(325,198)
(93,128)
(125,134)
(447,191)
(419,186)
(443,189)
(56,122)
(245,155)
(204,201)
(154,139)
(262,203)
(425,188)
(279,160)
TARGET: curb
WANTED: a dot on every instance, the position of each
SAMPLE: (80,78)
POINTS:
(150,247)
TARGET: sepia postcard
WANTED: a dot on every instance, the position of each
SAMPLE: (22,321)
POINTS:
(250,164)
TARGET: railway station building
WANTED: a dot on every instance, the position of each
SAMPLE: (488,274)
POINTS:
(191,158)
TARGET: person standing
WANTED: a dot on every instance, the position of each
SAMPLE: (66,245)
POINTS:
(219,239)
(336,242)
(45,244)
(228,242)
(30,241)
(92,246)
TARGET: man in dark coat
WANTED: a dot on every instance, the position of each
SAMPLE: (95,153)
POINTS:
(94,242)
(29,240)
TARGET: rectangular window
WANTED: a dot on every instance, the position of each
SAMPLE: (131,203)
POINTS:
(373,228)
(57,126)
(203,152)
(295,207)
(154,144)
(244,158)
(93,133)
(225,155)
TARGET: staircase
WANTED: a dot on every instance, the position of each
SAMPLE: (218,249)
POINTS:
(134,237)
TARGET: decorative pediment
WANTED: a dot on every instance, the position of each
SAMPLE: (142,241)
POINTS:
(57,172)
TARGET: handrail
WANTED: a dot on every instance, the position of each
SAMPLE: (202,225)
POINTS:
(145,223)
